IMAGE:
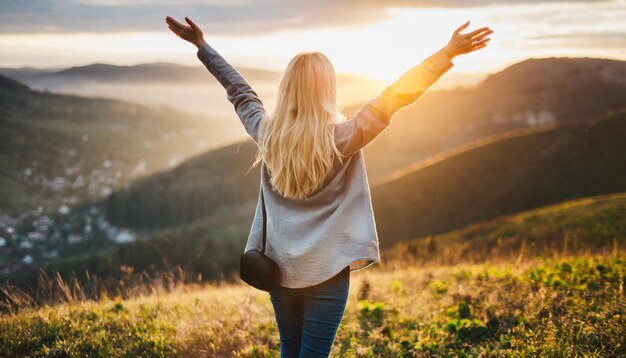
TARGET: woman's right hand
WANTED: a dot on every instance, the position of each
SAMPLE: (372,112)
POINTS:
(191,32)
(465,43)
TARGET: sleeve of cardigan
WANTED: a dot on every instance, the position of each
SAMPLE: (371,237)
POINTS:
(248,105)
(376,114)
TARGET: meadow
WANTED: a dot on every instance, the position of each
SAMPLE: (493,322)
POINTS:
(558,299)
(550,307)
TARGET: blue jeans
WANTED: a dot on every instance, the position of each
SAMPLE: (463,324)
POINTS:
(308,317)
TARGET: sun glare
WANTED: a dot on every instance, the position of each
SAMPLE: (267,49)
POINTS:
(382,50)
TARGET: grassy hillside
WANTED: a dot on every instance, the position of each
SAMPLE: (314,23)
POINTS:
(59,149)
(593,225)
(558,294)
(589,225)
(506,175)
(562,307)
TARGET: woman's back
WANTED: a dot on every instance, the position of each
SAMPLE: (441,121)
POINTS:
(314,238)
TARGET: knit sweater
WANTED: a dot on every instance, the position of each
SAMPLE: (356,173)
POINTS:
(314,238)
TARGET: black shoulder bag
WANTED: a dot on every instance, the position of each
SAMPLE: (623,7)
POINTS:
(255,268)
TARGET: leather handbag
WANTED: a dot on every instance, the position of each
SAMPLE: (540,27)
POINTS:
(255,268)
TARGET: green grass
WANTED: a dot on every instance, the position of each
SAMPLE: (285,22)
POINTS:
(547,282)
(545,307)
(590,225)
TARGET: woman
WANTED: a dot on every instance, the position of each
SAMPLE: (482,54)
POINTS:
(320,224)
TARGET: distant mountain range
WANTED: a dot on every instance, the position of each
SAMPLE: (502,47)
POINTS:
(188,88)
(147,72)
(159,72)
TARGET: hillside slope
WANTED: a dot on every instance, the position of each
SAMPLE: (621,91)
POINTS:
(509,175)
(531,93)
(208,185)
(592,225)
(62,150)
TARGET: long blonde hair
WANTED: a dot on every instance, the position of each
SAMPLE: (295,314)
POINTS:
(297,143)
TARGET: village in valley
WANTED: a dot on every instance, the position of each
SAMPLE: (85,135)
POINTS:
(37,238)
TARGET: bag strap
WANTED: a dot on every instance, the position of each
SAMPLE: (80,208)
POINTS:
(264,221)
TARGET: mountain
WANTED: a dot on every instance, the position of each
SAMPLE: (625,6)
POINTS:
(172,72)
(531,93)
(10,85)
(146,72)
(62,150)
(502,175)
(157,72)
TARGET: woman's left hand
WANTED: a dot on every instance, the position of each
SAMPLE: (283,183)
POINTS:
(191,33)
(461,44)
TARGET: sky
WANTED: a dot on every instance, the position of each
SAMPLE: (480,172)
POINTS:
(377,38)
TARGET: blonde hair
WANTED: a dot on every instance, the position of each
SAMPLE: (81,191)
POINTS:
(297,143)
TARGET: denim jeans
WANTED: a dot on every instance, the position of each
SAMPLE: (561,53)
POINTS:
(308,317)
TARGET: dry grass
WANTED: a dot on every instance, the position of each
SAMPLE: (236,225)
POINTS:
(571,306)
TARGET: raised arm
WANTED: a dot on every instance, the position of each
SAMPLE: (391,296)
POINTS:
(247,103)
(376,114)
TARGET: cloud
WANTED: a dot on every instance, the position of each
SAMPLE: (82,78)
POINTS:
(616,40)
(234,17)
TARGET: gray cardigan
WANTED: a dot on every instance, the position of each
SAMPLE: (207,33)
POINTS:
(313,239)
